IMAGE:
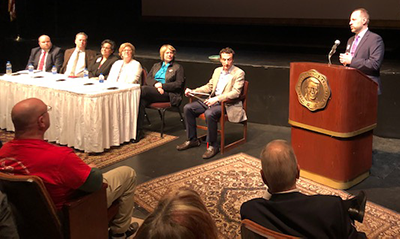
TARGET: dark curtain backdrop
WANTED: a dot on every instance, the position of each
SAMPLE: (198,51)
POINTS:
(66,18)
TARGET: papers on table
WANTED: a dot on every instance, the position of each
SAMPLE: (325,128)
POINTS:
(62,82)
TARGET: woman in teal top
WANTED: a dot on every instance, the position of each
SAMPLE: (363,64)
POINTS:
(164,83)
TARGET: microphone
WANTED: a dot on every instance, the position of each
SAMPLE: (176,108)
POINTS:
(333,50)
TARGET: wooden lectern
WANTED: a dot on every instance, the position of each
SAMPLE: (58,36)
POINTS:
(333,144)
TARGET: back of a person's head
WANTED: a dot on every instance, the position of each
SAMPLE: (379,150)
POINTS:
(279,165)
(25,114)
(180,214)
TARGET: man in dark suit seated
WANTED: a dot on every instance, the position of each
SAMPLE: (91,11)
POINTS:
(364,50)
(284,209)
(45,56)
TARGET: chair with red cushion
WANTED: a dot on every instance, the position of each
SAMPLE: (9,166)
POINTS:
(162,107)
(224,119)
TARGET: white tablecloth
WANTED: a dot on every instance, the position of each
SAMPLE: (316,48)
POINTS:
(86,114)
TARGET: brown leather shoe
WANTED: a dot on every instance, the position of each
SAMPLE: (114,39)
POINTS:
(188,144)
(211,152)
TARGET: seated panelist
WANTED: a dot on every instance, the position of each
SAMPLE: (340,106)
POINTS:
(164,82)
(78,58)
(102,63)
(226,83)
(45,56)
(127,70)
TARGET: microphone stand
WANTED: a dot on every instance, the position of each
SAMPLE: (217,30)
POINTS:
(331,54)
(333,50)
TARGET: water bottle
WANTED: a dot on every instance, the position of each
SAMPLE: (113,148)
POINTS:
(30,69)
(101,78)
(8,68)
(54,70)
(85,73)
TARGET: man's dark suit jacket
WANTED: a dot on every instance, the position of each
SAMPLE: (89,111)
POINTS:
(368,56)
(54,58)
(94,70)
(296,214)
(89,56)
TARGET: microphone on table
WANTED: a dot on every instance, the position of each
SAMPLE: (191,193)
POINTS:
(333,50)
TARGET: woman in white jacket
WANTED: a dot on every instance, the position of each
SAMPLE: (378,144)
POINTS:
(126,70)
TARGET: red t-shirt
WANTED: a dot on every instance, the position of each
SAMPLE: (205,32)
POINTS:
(61,170)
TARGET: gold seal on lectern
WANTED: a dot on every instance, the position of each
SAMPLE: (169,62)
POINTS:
(313,90)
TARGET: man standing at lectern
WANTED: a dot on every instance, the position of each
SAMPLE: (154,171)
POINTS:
(365,50)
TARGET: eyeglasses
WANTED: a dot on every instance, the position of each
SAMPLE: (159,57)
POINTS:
(48,109)
(127,50)
(107,48)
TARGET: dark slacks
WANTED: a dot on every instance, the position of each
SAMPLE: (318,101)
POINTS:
(148,95)
(212,114)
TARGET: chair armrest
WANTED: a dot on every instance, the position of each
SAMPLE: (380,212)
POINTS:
(82,197)
(86,216)
(229,101)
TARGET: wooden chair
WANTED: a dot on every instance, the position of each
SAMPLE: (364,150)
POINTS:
(252,230)
(162,107)
(143,76)
(36,215)
(224,118)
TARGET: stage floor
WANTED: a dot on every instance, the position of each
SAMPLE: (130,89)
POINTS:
(381,186)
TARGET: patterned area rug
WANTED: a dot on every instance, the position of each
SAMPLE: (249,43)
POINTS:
(226,183)
(115,154)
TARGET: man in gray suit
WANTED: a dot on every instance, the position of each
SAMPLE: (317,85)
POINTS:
(365,49)
(45,56)
(226,83)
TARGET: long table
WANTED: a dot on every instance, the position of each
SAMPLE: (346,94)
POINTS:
(86,114)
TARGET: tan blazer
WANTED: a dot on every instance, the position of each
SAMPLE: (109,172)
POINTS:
(232,90)
(89,57)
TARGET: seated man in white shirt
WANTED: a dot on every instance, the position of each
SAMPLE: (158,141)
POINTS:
(78,58)
(45,56)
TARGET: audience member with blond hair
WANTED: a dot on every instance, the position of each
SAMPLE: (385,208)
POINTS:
(179,214)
